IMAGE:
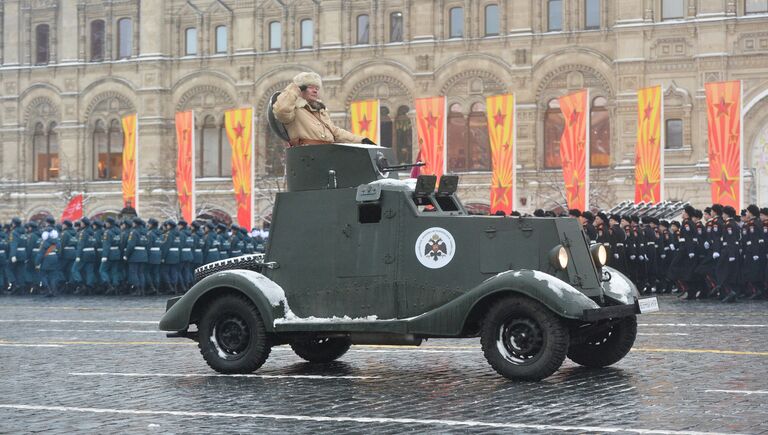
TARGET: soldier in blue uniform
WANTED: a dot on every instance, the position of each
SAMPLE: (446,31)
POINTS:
(47,259)
(210,244)
(197,250)
(98,231)
(4,249)
(126,226)
(186,268)
(109,269)
(82,269)
(33,246)
(155,239)
(68,252)
(17,242)
(236,244)
(136,255)
(224,244)
(727,269)
(171,256)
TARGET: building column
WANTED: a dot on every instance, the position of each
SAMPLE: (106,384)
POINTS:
(68,33)
(152,37)
(329,25)
(11,32)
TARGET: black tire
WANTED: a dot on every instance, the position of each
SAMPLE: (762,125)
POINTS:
(232,336)
(523,340)
(321,350)
(607,347)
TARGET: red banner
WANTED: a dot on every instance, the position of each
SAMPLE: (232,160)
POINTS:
(574,144)
(649,168)
(74,210)
(501,132)
(430,123)
(239,126)
(365,119)
(724,128)
(130,162)
(185,167)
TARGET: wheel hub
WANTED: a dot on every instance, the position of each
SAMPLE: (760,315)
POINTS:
(232,334)
(521,339)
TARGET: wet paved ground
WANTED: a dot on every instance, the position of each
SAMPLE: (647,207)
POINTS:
(98,365)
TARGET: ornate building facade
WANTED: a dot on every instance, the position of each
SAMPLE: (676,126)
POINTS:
(69,69)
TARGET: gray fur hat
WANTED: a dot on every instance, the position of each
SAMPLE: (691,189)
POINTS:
(308,79)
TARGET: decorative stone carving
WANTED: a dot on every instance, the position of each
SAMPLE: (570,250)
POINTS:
(205,97)
(671,47)
(558,79)
(379,86)
(461,84)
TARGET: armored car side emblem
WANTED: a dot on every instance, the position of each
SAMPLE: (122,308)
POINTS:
(435,248)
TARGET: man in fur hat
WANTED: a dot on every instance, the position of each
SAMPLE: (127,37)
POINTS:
(305,116)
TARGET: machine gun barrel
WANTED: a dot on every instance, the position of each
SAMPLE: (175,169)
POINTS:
(394,168)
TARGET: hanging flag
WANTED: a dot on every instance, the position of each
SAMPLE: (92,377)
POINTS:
(724,127)
(501,132)
(574,144)
(649,163)
(74,210)
(365,119)
(185,167)
(131,162)
(430,123)
(239,123)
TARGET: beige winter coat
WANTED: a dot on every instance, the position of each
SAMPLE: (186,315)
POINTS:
(304,122)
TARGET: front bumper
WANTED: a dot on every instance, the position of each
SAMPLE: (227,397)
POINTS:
(616,311)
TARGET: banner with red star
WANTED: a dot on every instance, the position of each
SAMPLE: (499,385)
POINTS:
(185,168)
(724,132)
(131,161)
(239,126)
(430,123)
(649,168)
(501,132)
(365,119)
(574,146)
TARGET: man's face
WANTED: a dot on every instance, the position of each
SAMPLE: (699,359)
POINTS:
(312,93)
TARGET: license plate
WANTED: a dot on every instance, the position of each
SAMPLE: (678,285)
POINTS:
(648,305)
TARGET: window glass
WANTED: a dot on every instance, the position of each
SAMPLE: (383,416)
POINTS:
(124,38)
(592,14)
(674,134)
(191,41)
(756,6)
(100,151)
(403,135)
(457,22)
(307,33)
(226,153)
(221,39)
(555,15)
(396,27)
(553,130)
(114,157)
(491,20)
(97,40)
(275,36)
(385,127)
(42,40)
(53,153)
(672,9)
(600,134)
(362,29)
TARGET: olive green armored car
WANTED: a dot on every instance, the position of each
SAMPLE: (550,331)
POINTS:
(357,256)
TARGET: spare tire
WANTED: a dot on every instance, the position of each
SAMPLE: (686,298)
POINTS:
(248,262)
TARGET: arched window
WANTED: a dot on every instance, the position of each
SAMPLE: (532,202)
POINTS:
(673,134)
(479,145)
(396,27)
(555,15)
(307,33)
(553,130)
(97,40)
(492,20)
(363,25)
(213,156)
(403,135)
(190,41)
(600,134)
(456,16)
(591,14)
(221,39)
(42,44)
(124,38)
(672,9)
(386,127)
(108,150)
(275,36)
(456,138)
(45,149)
(755,6)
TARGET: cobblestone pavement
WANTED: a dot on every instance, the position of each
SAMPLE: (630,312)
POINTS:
(98,365)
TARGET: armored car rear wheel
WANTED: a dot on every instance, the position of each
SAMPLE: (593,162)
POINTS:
(232,336)
(321,350)
(607,347)
(523,340)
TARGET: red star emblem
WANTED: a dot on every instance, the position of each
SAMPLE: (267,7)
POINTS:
(498,118)
(239,130)
(241,196)
(575,117)
(725,184)
(714,156)
(364,124)
(733,139)
(573,189)
(505,146)
(648,110)
(638,160)
(431,121)
(184,197)
(646,189)
(723,107)
(652,140)
(500,194)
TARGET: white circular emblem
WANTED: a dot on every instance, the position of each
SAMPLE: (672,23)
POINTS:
(435,248)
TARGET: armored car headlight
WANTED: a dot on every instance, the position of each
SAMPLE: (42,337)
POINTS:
(558,256)
(599,254)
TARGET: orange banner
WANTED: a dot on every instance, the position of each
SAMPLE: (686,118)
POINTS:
(239,126)
(501,132)
(130,162)
(649,169)
(185,168)
(365,119)
(724,128)
(430,123)
(574,144)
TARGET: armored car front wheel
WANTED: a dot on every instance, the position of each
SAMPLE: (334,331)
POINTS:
(607,346)
(321,350)
(232,336)
(523,340)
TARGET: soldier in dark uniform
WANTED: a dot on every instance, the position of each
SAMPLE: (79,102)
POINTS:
(171,256)
(68,253)
(47,260)
(197,247)
(684,261)
(236,244)
(664,257)
(137,257)
(126,226)
(109,272)
(588,220)
(753,263)
(4,250)
(210,244)
(617,237)
(727,269)
(764,247)
(224,243)
(155,238)
(187,257)
(33,247)
(17,240)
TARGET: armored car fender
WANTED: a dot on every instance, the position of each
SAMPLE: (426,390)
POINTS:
(619,287)
(558,296)
(267,297)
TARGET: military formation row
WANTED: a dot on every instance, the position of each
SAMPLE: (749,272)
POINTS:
(710,253)
(114,257)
